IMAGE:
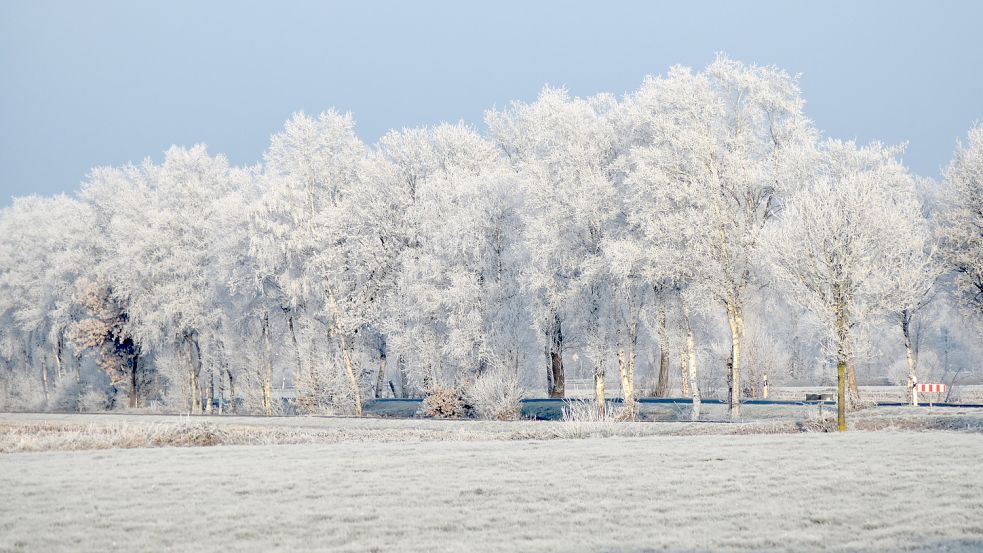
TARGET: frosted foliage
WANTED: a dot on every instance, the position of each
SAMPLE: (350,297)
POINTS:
(687,237)
(963,221)
(842,240)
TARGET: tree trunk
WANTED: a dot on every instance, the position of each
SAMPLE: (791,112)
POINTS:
(841,396)
(404,391)
(78,385)
(626,364)
(381,377)
(194,370)
(44,381)
(59,348)
(134,371)
(662,384)
(210,393)
(851,373)
(221,391)
(736,322)
(234,406)
(683,367)
(842,355)
(694,385)
(268,367)
(599,391)
(556,378)
(293,338)
(346,356)
(910,356)
(627,387)
(350,373)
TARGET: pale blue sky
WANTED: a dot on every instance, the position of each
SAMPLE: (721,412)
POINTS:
(88,83)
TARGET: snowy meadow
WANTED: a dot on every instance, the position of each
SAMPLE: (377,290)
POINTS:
(361,485)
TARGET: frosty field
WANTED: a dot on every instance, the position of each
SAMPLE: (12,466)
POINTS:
(461,486)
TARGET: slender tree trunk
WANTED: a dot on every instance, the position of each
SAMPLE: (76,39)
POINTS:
(626,363)
(44,380)
(851,373)
(381,376)
(736,322)
(403,378)
(293,338)
(683,368)
(632,354)
(842,356)
(694,385)
(267,368)
(134,372)
(627,386)
(221,391)
(662,384)
(556,377)
(233,402)
(194,370)
(841,396)
(599,390)
(356,390)
(78,384)
(210,393)
(59,349)
(910,356)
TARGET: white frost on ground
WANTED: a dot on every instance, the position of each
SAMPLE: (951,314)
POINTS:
(859,491)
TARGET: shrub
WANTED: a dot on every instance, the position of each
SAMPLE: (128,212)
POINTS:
(444,403)
(495,395)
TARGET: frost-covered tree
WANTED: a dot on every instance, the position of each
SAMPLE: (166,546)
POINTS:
(459,311)
(155,219)
(841,241)
(320,242)
(962,221)
(46,249)
(461,265)
(563,148)
(723,146)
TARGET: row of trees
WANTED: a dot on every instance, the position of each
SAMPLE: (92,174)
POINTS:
(589,231)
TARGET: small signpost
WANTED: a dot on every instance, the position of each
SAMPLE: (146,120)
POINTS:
(928,389)
(821,400)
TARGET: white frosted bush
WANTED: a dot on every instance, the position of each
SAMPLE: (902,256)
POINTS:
(495,395)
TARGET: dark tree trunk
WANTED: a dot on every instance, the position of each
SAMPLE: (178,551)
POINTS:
(381,376)
(662,384)
(555,377)
(134,381)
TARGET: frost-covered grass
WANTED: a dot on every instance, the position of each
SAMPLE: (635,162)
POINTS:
(23,432)
(860,491)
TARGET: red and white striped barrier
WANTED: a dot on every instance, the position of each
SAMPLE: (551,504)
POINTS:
(926,389)
(931,388)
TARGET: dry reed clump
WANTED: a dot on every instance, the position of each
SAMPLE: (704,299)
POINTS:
(583,419)
(862,404)
(818,424)
(66,436)
(187,435)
